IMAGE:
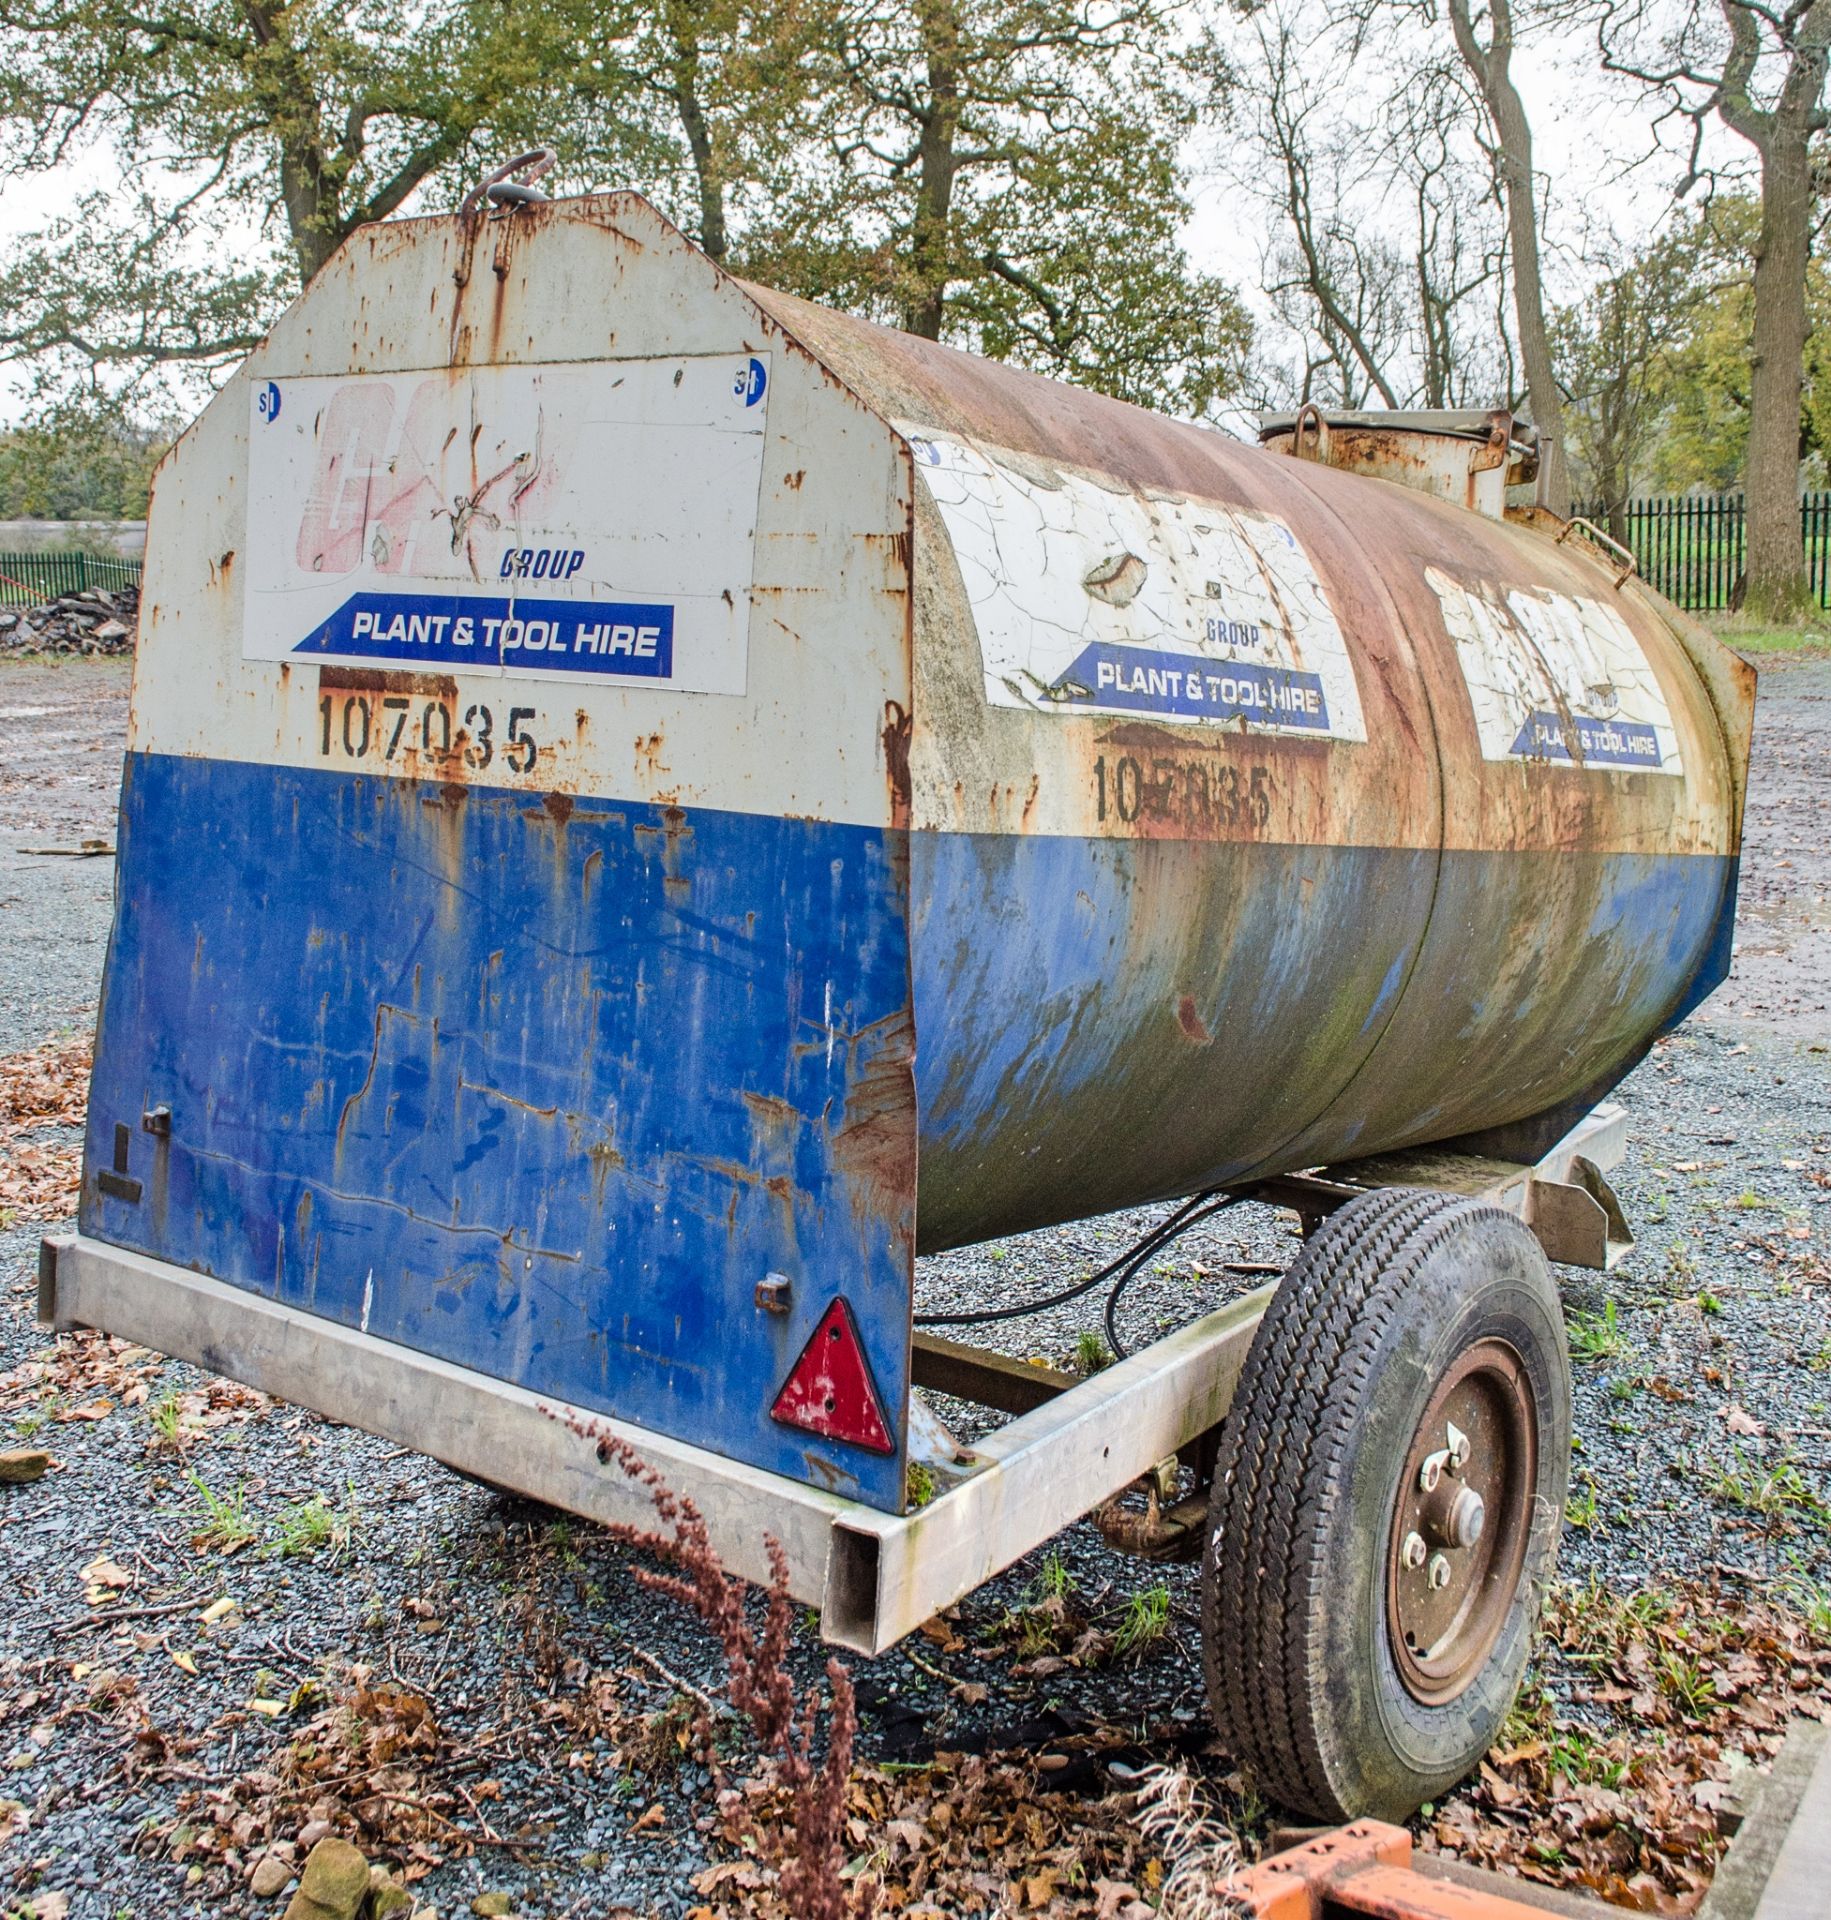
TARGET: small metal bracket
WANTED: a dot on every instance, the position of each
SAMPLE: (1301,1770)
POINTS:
(1310,420)
(116,1181)
(1578,1220)
(1626,566)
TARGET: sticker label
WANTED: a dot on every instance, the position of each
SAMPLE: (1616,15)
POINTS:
(1557,679)
(1090,598)
(555,521)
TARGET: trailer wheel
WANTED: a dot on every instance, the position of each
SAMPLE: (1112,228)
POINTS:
(1387,1504)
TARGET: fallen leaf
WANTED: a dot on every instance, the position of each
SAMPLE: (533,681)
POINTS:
(105,1574)
(1740,1421)
(185,1661)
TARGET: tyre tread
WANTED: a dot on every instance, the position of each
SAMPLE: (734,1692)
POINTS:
(1283,1459)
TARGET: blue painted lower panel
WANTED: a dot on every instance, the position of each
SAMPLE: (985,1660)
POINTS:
(1103,1022)
(543,1089)
(547,1089)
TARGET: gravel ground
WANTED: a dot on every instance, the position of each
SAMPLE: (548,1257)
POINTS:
(1702,1409)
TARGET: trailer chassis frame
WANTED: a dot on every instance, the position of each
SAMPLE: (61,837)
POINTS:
(875,1576)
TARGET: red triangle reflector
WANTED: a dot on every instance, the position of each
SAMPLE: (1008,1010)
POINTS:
(829,1390)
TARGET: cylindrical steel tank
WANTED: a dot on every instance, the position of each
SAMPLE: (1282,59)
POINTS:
(649,802)
(1444,839)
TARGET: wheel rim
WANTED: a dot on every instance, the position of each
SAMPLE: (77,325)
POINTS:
(1461,1522)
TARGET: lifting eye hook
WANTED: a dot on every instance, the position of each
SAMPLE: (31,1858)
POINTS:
(1310,434)
(501,190)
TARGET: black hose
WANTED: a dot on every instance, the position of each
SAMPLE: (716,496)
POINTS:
(1182,1226)
(1139,1251)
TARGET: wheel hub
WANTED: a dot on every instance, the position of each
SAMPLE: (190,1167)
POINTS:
(1461,1522)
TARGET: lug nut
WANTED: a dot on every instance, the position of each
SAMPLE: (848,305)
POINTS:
(1412,1551)
(1432,1471)
(1439,1573)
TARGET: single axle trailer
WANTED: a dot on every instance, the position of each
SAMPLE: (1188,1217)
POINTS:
(650,804)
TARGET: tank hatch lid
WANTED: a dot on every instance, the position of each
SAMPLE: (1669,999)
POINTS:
(1463,456)
(1460,423)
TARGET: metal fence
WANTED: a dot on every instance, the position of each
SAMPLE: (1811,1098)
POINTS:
(1692,547)
(27,579)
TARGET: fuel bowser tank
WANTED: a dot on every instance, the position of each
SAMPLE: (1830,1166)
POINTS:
(650,803)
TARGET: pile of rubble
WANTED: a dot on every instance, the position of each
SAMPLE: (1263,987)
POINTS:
(88,622)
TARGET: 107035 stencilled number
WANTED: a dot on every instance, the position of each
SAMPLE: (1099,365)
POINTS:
(419,733)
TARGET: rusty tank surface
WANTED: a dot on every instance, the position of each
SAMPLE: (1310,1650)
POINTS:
(650,803)
(1265,814)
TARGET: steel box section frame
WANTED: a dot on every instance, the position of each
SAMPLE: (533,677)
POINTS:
(874,1576)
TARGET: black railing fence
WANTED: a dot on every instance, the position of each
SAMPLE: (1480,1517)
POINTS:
(1692,547)
(27,579)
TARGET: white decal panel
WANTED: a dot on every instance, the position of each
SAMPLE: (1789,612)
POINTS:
(1557,679)
(572,522)
(1091,598)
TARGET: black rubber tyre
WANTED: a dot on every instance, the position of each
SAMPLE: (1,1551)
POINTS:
(1304,1676)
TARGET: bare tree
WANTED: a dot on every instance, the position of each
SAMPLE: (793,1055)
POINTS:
(1344,273)
(1490,64)
(1760,70)
(1385,218)
(1460,247)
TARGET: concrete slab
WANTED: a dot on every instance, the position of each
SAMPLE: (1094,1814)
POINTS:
(1799,1888)
(1778,1867)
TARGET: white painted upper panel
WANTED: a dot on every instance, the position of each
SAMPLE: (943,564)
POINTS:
(565,522)
(735,632)
(1557,679)
(1093,598)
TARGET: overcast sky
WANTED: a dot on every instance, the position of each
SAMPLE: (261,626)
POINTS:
(1588,140)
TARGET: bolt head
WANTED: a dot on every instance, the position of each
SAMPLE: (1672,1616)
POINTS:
(1412,1551)
(1438,1573)
(1430,1473)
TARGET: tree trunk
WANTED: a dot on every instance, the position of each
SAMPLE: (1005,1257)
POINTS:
(309,192)
(1777,584)
(699,142)
(1490,67)
(931,242)
(311,209)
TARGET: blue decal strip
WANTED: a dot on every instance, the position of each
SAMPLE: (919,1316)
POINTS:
(1597,743)
(441,630)
(1193,687)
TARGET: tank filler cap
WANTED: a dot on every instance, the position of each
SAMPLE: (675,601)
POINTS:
(1461,455)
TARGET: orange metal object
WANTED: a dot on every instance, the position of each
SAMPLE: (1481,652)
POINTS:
(1362,1869)
(1293,1885)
